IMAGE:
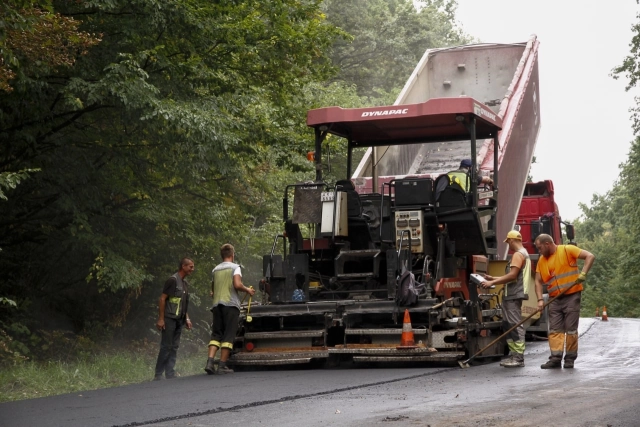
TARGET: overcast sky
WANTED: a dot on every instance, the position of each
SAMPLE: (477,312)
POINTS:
(586,127)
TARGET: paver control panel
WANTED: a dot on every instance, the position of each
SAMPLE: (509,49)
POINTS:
(410,223)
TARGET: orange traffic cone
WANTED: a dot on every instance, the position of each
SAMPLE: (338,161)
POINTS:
(407,340)
(597,311)
(605,318)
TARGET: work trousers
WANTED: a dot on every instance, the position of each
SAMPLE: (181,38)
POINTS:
(564,316)
(169,347)
(512,314)
(224,326)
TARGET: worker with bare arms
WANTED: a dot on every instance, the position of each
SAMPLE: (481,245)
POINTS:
(227,281)
(518,280)
(558,270)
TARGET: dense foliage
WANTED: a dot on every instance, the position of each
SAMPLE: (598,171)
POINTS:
(152,144)
(610,228)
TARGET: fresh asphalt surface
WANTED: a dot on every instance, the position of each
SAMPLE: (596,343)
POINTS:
(601,391)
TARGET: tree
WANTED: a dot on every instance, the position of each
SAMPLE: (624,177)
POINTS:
(34,40)
(630,68)
(611,230)
(153,145)
(597,232)
(626,283)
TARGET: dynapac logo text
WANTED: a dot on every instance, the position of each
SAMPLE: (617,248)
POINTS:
(385,112)
(482,112)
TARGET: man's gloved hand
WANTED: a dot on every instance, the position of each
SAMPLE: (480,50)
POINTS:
(582,277)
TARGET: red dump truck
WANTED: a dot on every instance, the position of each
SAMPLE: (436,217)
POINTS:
(349,248)
(538,214)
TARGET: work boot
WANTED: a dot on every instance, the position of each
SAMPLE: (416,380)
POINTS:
(158,378)
(224,369)
(515,362)
(507,359)
(211,367)
(551,364)
(568,364)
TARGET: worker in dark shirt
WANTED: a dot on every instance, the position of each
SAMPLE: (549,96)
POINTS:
(172,317)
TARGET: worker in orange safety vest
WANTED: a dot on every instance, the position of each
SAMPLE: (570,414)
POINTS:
(558,269)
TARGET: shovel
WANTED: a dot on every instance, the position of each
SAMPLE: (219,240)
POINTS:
(464,364)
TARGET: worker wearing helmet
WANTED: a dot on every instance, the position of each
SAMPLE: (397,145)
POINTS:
(227,281)
(558,270)
(518,280)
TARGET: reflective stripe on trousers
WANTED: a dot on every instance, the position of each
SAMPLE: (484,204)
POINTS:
(564,317)
(512,313)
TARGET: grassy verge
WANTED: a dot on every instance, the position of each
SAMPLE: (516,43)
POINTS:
(37,379)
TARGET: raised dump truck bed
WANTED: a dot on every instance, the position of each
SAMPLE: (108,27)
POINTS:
(503,77)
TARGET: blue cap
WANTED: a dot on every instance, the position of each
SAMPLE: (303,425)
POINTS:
(465,163)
